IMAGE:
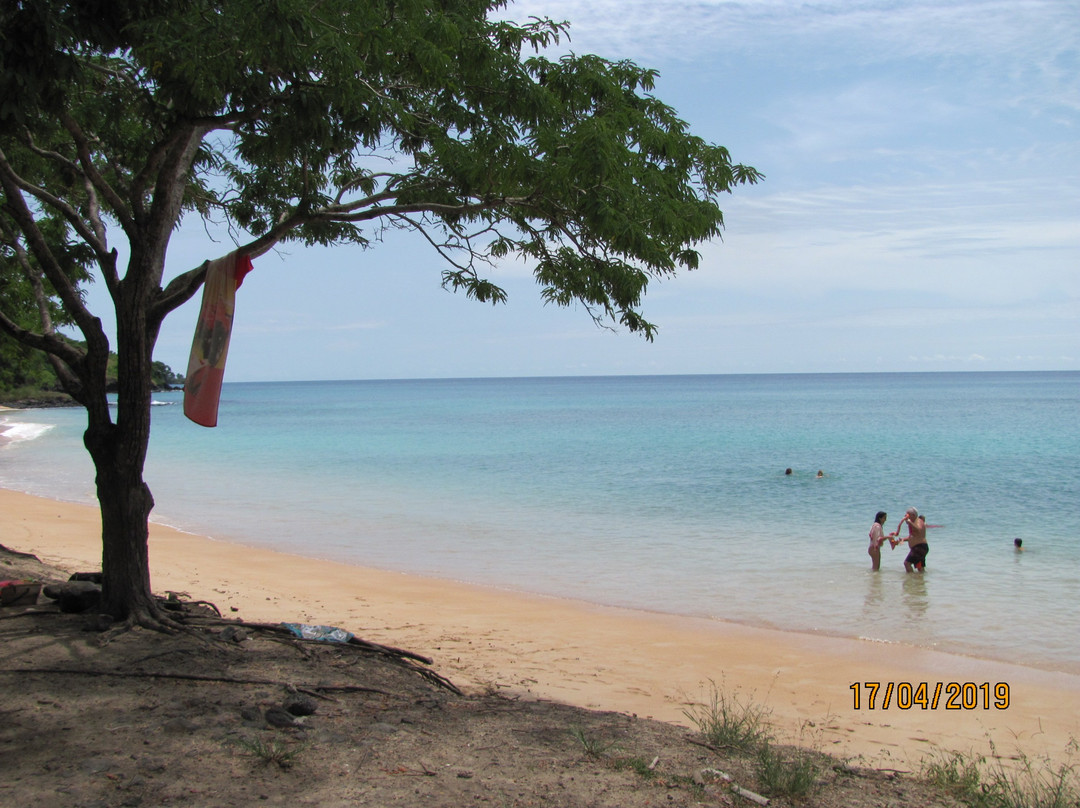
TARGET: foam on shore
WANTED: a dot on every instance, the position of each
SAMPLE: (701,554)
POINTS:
(597,657)
(12,432)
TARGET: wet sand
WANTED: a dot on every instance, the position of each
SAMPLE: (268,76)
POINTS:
(598,657)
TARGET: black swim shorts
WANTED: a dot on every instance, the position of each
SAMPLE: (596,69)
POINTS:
(917,556)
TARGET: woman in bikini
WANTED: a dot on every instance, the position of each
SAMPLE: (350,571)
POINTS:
(877,538)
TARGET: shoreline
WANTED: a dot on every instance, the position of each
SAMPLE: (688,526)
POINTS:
(600,657)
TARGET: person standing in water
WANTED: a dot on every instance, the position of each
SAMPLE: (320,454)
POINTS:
(877,538)
(916,539)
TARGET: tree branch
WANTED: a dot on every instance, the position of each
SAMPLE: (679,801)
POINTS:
(69,295)
(32,276)
(334,215)
(48,343)
(179,291)
(169,194)
(93,176)
(18,184)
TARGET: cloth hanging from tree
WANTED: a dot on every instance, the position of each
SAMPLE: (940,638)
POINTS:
(210,347)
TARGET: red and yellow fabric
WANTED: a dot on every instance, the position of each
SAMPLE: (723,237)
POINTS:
(210,347)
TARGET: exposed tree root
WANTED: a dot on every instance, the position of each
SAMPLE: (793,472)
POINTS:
(194,677)
(29,611)
(407,659)
(150,616)
(171,616)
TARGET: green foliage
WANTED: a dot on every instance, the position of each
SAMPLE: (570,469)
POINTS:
(328,122)
(602,749)
(960,775)
(161,375)
(23,369)
(637,765)
(274,750)
(593,746)
(27,374)
(726,721)
(1025,783)
(791,774)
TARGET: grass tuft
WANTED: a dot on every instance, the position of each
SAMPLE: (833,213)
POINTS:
(791,775)
(639,766)
(1031,783)
(270,751)
(593,746)
(729,722)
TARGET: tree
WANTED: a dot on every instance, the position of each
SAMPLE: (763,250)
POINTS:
(320,122)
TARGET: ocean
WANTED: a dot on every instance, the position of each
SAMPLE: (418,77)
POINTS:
(662,493)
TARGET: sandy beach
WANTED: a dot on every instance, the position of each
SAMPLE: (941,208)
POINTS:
(597,657)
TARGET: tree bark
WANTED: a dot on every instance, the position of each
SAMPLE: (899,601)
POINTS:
(119,454)
(125,509)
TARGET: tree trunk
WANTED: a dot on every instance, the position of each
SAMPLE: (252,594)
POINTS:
(119,453)
(125,562)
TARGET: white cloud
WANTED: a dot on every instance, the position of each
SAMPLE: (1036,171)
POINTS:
(871,30)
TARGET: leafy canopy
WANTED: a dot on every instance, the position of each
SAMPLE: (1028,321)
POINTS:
(327,122)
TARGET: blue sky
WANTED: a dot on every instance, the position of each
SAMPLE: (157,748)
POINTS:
(920,212)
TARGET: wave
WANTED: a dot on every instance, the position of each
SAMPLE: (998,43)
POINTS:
(23,432)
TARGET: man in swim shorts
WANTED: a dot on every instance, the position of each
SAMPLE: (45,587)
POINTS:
(916,539)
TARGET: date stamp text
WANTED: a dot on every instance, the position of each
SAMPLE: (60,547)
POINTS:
(931,695)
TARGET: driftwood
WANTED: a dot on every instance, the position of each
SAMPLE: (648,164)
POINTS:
(712,747)
(745,793)
(306,692)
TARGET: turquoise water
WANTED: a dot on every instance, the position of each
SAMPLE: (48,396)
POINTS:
(664,493)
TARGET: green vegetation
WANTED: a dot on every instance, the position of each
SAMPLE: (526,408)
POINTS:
(727,722)
(750,762)
(161,376)
(1026,783)
(593,747)
(792,772)
(639,766)
(27,375)
(24,372)
(606,751)
(730,723)
(274,750)
(957,773)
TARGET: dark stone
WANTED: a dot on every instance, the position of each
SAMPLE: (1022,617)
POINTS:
(74,596)
(233,634)
(298,704)
(277,717)
(92,577)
